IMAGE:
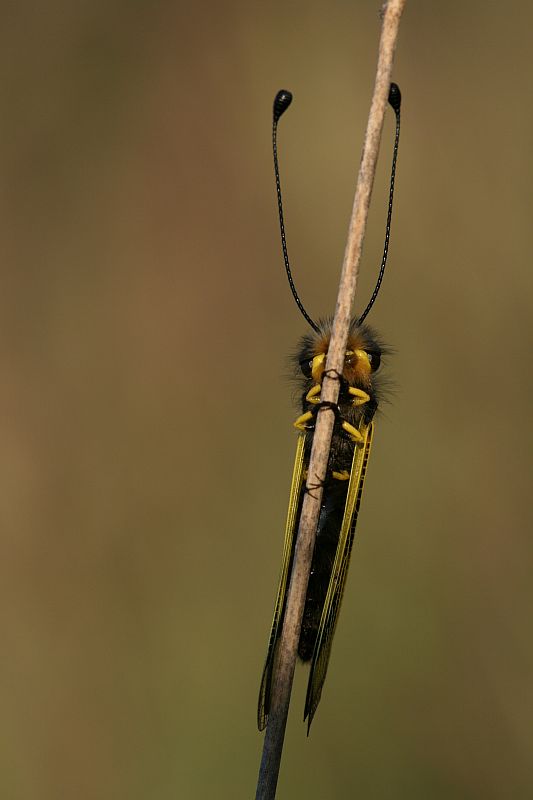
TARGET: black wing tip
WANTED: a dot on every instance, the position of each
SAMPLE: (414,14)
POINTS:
(262,716)
(309,713)
(262,711)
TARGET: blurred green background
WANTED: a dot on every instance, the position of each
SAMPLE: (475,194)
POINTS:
(146,422)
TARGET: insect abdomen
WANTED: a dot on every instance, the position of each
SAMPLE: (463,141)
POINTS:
(327,537)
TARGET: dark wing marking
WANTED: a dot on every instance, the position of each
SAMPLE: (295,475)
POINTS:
(328,620)
(263,705)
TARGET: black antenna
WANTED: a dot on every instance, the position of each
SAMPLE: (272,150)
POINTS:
(395,100)
(282,101)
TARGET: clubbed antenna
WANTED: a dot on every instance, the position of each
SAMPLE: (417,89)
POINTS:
(282,101)
(395,100)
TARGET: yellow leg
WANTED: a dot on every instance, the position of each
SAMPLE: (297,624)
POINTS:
(301,421)
(316,368)
(341,476)
(360,397)
(312,394)
(354,433)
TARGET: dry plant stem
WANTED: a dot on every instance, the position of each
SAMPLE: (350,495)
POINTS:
(282,684)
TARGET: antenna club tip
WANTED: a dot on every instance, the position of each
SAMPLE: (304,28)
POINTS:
(282,101)
(395,96)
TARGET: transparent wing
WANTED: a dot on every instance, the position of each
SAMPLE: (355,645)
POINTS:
(328,620)
(263,705)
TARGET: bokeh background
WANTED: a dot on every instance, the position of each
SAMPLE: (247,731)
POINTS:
(146,420)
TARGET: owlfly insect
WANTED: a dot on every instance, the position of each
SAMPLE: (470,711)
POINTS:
(361,389)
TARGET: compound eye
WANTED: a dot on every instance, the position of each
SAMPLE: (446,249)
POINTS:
(375,359)
(306,365)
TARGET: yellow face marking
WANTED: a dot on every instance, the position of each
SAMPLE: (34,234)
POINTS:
(356,366)
(363,361)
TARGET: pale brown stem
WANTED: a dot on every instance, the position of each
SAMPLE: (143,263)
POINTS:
(288,644)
